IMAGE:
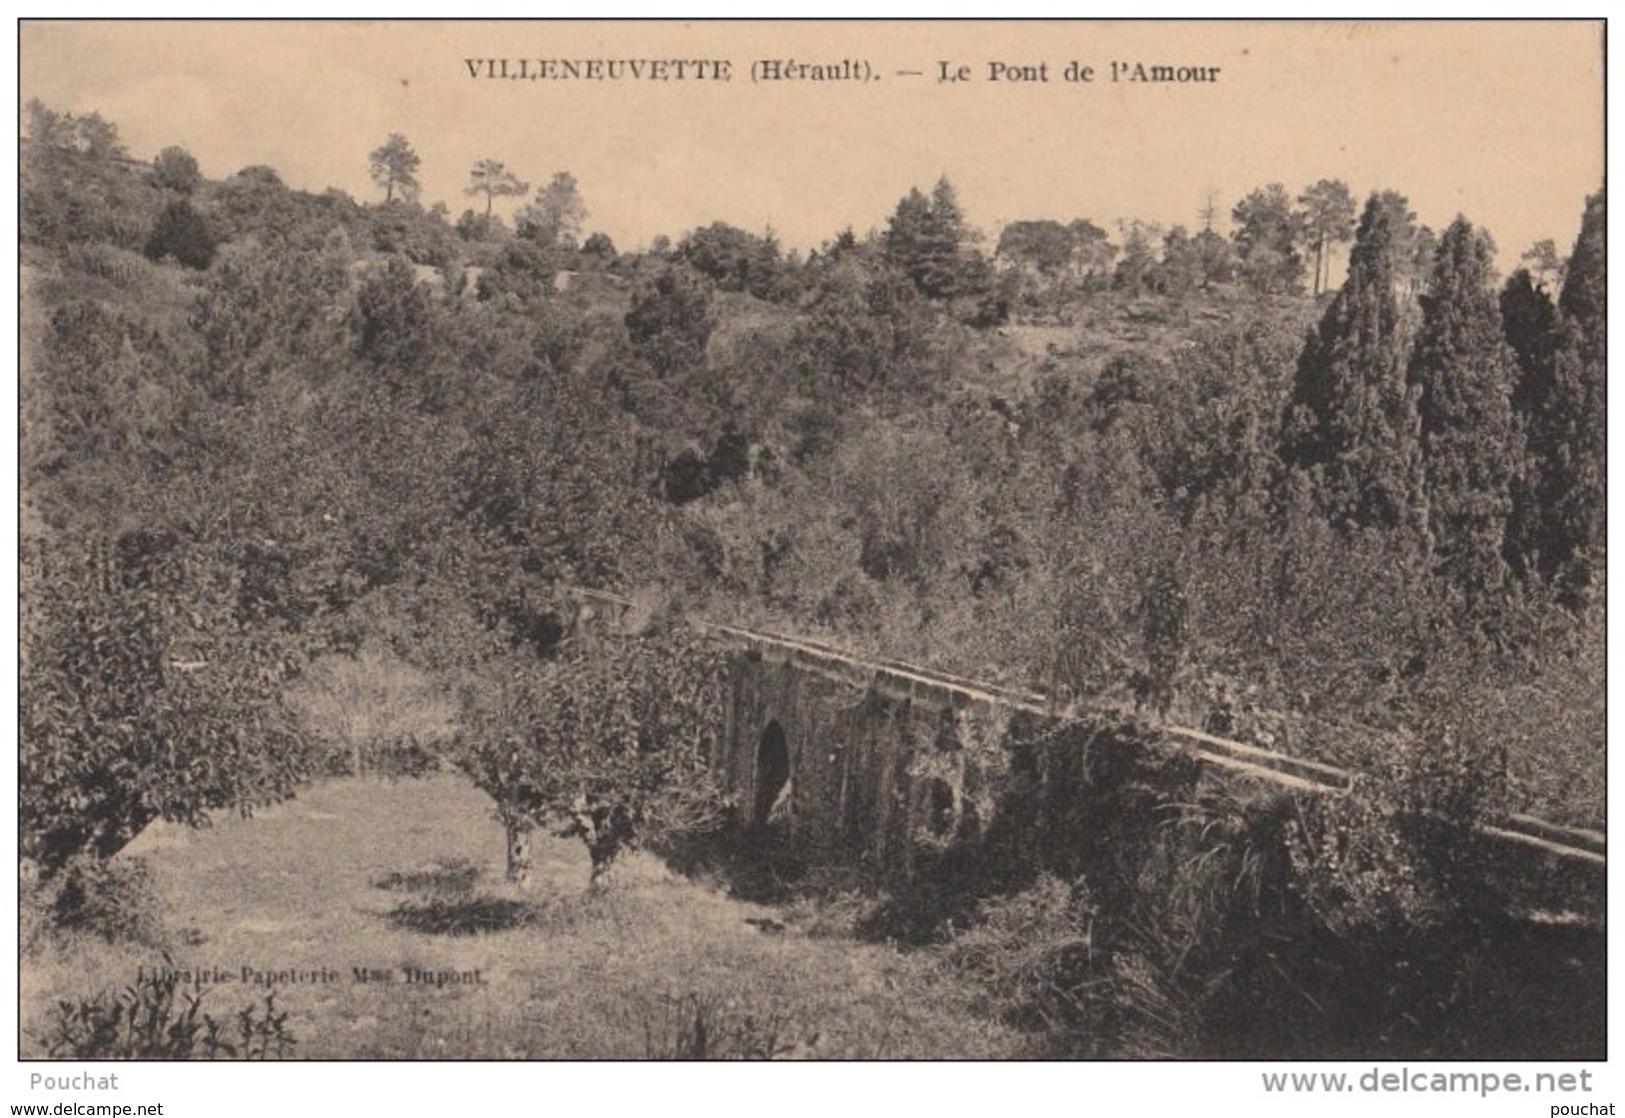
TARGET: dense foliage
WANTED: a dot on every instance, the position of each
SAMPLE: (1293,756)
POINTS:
(610,743)
(265,429)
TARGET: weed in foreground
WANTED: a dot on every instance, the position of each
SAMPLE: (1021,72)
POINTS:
(152,1018)
(703,1027)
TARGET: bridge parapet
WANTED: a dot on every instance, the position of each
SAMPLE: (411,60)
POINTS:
(858,727)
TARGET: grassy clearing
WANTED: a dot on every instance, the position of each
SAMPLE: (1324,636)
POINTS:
(395,877)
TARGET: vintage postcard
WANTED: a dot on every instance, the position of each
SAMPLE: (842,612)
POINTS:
(856,541)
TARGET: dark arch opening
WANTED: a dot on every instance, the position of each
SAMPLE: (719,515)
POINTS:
(772,771)
(941,809)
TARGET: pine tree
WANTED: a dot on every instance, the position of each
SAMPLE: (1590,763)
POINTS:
(1462,372)
(394,166)
(941,271)
(906,232)
(1328,210)
(1267,234)
(927,239)
(1350,425)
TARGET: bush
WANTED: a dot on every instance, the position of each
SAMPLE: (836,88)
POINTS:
(1032,954)
(114,901)
(181,232)
(175,169)
(376,712)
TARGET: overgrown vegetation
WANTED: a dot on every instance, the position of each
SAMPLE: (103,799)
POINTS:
(700,1027)
(306,479)
(156,1018)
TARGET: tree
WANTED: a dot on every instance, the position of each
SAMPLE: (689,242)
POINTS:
(492,178)
(394,166)
(1584,298)
(670,320)
(1134,270)
(395,323)
(928,240)
(1267,233)
(1217,257)
(611,747)
(99,138)
(140,699)
(175,169)
(1462,373)
(733,259)
(907,232)
(1180,270)
(1328,210)
(254,203)
(182,233)
(1533,330)
(1543,262)
(91,135)
(557,214)
(1048,247)
(48,128)
(1095,251)
(1350,424)
(600,247)
(1560,518)
(865,330)
(1416,258)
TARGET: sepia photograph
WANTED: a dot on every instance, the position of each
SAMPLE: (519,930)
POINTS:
(968,541)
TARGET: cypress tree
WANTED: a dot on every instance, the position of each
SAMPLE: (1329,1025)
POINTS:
(1584,299)
(943,270)
(1530,323)
(1350,425)
(1559,526)
(1461,372)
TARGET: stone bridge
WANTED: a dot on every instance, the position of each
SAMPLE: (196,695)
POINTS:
(890,768)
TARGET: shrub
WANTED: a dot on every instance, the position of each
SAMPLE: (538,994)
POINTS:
(1032,954)
(176,169)
(181,232)
(113,900)
(379,714)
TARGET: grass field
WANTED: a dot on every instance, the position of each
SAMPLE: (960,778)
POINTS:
(405,877)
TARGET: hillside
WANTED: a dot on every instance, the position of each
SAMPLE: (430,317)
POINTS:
(307,480)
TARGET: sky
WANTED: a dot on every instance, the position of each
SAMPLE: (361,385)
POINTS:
(1502,122)
(1497,121)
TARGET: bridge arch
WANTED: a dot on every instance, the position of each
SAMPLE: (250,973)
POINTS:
(772,771)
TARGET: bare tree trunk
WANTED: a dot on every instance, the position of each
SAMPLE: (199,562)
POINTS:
(608,832)
(518,868)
